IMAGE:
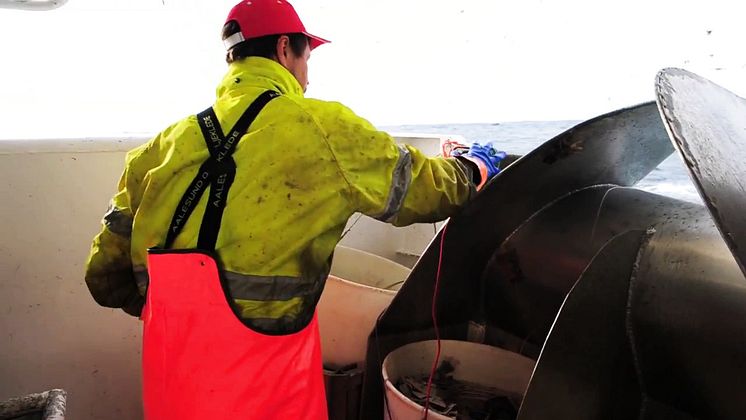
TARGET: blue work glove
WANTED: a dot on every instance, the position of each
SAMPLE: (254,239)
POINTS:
(485,157)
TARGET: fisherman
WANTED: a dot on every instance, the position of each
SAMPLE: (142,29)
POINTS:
(228,220)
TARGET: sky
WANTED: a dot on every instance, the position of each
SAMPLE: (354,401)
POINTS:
(115,67)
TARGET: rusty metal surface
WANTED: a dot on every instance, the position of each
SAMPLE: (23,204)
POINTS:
(707,123)
(618,148)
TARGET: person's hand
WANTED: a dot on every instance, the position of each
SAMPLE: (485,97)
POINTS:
(485,157)
(452,148)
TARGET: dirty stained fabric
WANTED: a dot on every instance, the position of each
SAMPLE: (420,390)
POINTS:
(304,167)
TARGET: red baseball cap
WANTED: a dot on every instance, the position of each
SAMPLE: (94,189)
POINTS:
(258,18)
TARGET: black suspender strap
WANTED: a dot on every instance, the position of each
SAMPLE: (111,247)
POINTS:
(217,172)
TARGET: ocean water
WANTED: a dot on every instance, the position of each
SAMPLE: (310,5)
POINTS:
(670,178)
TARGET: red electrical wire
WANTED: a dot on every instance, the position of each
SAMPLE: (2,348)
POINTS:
(435,322)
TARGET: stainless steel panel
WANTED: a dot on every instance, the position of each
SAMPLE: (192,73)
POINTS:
(707,124)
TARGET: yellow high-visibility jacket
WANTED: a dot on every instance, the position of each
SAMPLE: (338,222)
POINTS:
(303,168)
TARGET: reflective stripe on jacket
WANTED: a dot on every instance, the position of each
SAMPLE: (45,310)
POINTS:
(303,169)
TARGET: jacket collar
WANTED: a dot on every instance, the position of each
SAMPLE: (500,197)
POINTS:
(259,72)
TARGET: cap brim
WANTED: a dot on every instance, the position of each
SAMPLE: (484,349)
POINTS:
(315,41)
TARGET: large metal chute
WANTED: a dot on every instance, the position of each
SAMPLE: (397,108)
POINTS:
(616,149)
(532,271)
(631,302)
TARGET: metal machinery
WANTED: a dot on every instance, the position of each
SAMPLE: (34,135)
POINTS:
(632,303)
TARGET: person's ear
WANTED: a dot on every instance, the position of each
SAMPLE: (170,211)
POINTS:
(281,49)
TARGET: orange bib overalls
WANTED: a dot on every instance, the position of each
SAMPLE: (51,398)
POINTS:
(199,360)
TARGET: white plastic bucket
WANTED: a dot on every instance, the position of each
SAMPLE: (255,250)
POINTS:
(478,363)
(359,288)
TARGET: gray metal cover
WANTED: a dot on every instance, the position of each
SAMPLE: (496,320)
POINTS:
(707,125)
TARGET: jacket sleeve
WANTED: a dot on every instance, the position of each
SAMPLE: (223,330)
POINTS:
(109,274)
(391,182)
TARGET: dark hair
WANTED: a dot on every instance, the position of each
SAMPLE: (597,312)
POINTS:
(260,47)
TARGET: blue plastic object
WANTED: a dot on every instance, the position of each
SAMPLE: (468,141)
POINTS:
(487,154)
